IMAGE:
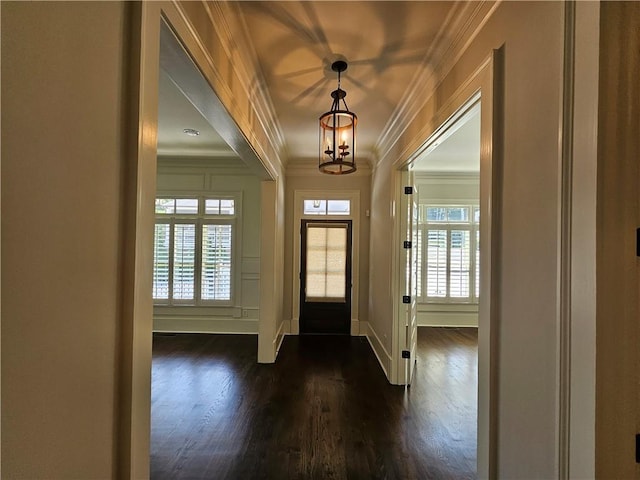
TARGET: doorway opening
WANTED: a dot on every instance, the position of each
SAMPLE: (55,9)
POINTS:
(453,232)
(322,312)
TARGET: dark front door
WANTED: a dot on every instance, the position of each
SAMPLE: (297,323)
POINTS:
(325,276)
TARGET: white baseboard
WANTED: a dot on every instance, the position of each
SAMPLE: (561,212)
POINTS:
(447,319)
(205,325)
(363,329)
(282,331)
(294,328)
(384,358)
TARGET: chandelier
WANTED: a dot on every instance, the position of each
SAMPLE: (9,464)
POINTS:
(338,133)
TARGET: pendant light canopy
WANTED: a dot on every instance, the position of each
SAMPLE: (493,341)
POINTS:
(338,132)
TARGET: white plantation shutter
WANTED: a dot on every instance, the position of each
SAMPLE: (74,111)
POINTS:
(161,255)
(184,261)
(216,262)
(419,260)
(460,263)
(477,264)
(437,263)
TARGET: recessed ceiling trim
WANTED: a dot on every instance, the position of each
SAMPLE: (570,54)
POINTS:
(191,152)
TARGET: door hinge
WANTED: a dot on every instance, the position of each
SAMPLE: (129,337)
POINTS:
(638,448)
(406,299)
(407,244)
(406,354)
(638,242)
(408,190)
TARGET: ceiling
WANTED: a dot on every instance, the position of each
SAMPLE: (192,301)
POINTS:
(175,114)
(386,45)
(457,150)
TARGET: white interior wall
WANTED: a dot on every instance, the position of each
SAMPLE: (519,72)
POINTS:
(272,325)
(209,177)
(381,293)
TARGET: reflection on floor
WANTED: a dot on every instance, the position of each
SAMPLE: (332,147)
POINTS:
(324,411)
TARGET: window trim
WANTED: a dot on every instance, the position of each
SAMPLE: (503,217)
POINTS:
(355,216)
(200,219)
(473,228)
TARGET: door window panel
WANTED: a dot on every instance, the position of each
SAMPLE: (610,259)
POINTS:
(326,263)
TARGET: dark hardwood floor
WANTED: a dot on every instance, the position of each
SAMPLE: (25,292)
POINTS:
(324,411)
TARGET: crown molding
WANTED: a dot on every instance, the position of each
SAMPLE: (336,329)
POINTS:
(185,164)
(466,19)
(187,151)
(305,167)
(447,178)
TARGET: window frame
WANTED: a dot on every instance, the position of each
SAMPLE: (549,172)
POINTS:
(199,220)
(325,200)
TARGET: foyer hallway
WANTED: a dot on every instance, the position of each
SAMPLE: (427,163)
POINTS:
(324,410)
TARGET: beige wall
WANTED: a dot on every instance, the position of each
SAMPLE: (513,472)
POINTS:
(314,180)
(62,165)
(528,339)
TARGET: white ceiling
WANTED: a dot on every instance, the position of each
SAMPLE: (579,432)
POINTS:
(175,113)
(386,43)
(457,150)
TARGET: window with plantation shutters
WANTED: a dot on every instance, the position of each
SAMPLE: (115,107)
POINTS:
(193,247)
(448,254)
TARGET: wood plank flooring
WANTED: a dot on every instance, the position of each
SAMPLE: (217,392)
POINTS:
(324,411)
